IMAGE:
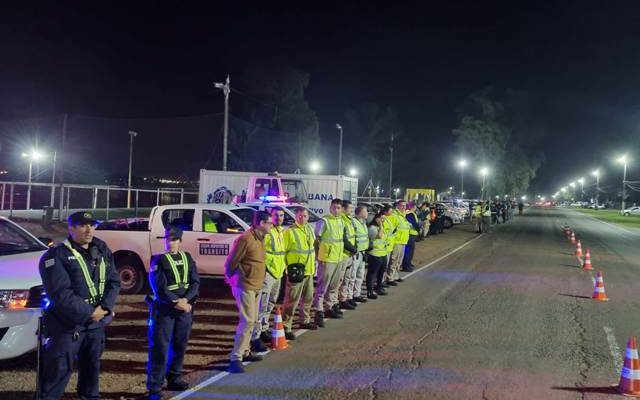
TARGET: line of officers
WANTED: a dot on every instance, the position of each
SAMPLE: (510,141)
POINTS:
(82,285)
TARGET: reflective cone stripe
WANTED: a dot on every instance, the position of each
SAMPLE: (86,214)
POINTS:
(587,261)
(630,375)
(598,289)
(573,238)
(278,340)
(578,249)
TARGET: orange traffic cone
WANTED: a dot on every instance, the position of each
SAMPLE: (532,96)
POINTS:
(573,237)
(630,375)
(598,289)
(278,341)
(578,249)
(587,261)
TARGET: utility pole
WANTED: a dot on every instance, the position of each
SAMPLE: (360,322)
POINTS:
(64,139)
(391,165)
(340,150)
(53,179)
(132,134)
(226,89)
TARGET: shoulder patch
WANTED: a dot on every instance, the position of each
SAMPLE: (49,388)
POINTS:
(49,263)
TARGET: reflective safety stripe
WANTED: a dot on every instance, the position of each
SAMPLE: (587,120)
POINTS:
(277,333)
(332,237)
(273,246)
(180,281)
(629,373)
(632,354)
(94,295)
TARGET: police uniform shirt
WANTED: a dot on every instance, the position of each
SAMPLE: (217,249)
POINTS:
(161,276)
(67,289)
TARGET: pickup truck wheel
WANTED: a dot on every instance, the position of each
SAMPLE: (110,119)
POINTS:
(131,276)
(447,223)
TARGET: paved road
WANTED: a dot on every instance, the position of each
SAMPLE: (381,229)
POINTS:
(509,315)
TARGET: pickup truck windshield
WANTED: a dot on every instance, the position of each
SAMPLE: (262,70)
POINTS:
(15,241)
(245,214)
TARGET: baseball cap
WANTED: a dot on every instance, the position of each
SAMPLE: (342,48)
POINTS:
(81,218)
(173,233)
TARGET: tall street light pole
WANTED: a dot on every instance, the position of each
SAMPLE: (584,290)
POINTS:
(226,89)
(581,181)
(132,134)
(484,171)
(53,179)
(33,155)
(596,173)
(462,164)
(391,165)
(623,161)
(339,127)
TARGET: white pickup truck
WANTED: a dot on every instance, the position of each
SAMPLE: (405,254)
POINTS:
(209,230)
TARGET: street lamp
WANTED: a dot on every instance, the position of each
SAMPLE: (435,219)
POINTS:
(33,155)
(596,173)
(353,171)
(132,134)
(623,160)
(339,127)
(462,164)
(314,166)
(226,89)
(484,171)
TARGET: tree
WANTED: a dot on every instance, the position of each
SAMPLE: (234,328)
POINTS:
(277,120)
(501,131)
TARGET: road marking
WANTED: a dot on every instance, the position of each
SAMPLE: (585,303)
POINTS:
(614,349)
(443,257)
(299,332)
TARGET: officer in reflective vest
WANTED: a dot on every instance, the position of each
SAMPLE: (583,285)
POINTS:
(362,244)
(345,294)
(401,238)
(329,242)
(82,285)
(298,241)
(377,257)
(175,282)
(275,265)
(389,226)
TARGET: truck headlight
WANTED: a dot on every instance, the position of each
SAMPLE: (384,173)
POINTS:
(14,299)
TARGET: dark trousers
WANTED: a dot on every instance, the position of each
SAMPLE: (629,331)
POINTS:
(169,332)
(375,272)
(409,249)
(59,355)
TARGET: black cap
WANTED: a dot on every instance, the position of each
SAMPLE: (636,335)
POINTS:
(173,233)
(81,218)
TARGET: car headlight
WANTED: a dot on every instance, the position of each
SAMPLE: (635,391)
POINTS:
(14,299)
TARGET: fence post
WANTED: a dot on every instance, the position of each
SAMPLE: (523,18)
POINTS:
(11,200)
(4,190)
(66,214)
(158,197)
(136,212)
(107,212)
(95,198)
(181,195)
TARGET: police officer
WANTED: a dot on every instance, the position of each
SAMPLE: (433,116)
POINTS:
(175,282)
(82,285)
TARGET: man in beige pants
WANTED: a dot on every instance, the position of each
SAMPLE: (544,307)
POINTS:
(244,272)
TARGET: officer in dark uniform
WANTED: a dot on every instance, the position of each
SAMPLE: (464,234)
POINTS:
(82,285)
(175,283)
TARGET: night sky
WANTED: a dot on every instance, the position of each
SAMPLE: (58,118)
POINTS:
(159,59)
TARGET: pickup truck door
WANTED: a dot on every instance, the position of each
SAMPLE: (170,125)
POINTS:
(182,218)
(216,231)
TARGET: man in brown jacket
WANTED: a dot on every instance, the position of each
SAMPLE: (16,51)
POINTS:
(245,271)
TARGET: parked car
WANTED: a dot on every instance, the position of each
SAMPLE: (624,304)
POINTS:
(631,211)
(21,290)
(595,206)
(209,231)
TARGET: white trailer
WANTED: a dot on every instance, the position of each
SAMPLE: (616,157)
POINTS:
(316,191)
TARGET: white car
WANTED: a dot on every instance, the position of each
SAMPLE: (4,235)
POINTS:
(208,233)
(631,211)
(288,208)
(21,290)
(597,206)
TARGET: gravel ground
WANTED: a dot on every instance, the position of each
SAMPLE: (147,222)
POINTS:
(124,360)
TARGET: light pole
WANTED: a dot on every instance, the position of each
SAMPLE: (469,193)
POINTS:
(390,164)
(34,155)
(53,179)
(132,134)
(484,172)
(581,181)
(623,160)
(596,173)
(226,89)
(462,165)
(339,127)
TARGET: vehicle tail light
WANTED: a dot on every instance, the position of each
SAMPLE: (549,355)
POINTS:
(14,299)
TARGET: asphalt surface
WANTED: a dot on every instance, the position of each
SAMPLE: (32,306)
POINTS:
(508,315)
